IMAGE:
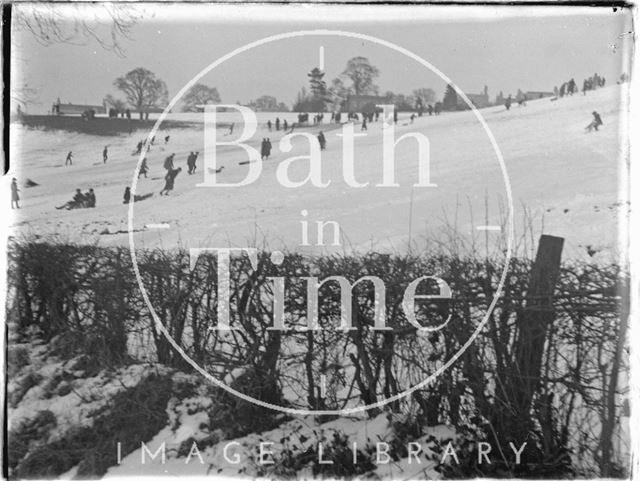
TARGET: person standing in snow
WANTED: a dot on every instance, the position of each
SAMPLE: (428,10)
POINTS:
(168,162)
(195,158)
(68,160)
(268,148)
(15,198)
(322,141)
(364,123)
(269,125)
(166,139)
(190,163)
(507,103)
(105,155)
(143,168)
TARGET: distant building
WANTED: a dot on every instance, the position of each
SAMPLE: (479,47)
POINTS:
(59,108)
(478,100)
(363,103)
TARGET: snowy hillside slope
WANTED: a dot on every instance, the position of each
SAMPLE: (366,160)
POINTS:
(569,181)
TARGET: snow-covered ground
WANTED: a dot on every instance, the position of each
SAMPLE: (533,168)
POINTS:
(230,458)
(568,180)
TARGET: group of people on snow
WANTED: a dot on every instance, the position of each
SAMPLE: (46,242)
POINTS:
(80,200)
(265,148)
(277,124)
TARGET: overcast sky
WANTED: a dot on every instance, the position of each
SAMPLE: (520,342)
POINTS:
(504,48)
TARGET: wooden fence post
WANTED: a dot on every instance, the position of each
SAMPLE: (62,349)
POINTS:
(522,376)
(534,322)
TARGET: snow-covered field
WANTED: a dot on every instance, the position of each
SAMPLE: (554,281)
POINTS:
(568,180)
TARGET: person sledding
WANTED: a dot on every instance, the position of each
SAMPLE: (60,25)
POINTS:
(595,123)
(89,199)
(126,199)
(169,181)
(78,201)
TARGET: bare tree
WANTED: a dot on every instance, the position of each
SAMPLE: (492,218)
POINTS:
(200,94)
(108,24)
(362,75)
(142,89)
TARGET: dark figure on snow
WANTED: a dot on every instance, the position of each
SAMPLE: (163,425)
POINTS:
(90,198)
(169,181)
(136,198)
(191,162)
(15,198)
(430,109)
(77,201)
(153,139)
(166,139)
(269,147)
(263,149)
(507,103)
(139,147)
(269,125)
(395,116)
(195,166)
(68,160)
(143,168)
(364,123)
(285,125)
(105,155)
(278,124)
(322,141)
(597,122)
(168,162)
(413,116)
